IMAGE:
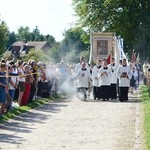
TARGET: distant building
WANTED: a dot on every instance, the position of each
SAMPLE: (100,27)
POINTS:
(20,47)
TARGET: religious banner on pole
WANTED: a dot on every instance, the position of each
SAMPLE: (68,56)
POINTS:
(102,45)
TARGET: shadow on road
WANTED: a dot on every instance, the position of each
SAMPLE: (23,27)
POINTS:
(12,139)
(25,122)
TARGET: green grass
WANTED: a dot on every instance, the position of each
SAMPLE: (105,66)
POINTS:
(146,103)
(32,105)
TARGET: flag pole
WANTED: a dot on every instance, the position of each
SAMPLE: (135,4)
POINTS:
(91,49)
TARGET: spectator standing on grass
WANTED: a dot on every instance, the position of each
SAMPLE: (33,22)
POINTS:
(28,81)
(41,78)
(3,87)
(12,80)
(21,79)
(133,80)
(34,83)
(12,85)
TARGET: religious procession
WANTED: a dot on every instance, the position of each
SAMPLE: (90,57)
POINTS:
(22,82)
(108,81)
(110,78)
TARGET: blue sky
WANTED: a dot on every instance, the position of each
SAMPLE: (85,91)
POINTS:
(51,16)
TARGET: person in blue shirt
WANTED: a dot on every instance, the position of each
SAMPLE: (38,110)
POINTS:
(3,87)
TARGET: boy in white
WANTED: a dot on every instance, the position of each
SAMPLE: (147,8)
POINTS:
(104,75)
(79,65)
(96,80)
(113,79)
(83,77)
(124,74)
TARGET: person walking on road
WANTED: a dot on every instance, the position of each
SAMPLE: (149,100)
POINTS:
(84,77)
(124,74)
(96,80)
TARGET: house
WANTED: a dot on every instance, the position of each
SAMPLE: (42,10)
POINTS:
(19,47)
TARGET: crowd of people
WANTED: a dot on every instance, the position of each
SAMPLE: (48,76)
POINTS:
(109,81)
(24,81)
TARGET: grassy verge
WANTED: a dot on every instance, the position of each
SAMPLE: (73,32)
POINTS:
(146,103)
(32,105)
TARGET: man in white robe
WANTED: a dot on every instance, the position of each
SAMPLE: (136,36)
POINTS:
(113,79)
(79,65)
(96,80)
(124,75)
(104,75)
(83,77)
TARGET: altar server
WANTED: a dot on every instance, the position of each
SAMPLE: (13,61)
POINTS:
(113,79)
(83,77)
(104,75)
(79,65)
(124,74)
(96,80)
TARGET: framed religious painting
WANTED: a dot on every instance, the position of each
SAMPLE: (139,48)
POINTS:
(102,47)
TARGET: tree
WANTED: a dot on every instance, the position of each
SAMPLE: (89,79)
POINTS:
(74,40)
(36,34)
(54,53)
(12,37)
(129,19)
(24,33)
(74,56)
(50,39)
(3,36)
(37,55)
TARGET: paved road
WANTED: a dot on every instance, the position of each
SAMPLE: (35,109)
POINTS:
(75,125)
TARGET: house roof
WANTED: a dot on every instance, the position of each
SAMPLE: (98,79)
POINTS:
(38,45)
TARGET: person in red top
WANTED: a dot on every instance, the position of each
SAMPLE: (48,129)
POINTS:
(28,81)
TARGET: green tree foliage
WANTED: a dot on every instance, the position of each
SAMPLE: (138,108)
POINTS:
(3,36)
(12,37)
(24,33)
(37,55)
(74,39)
(54,53)
(130,19)
(50,39)
(74,57)
(36,35)
(7,56)
(71,57)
